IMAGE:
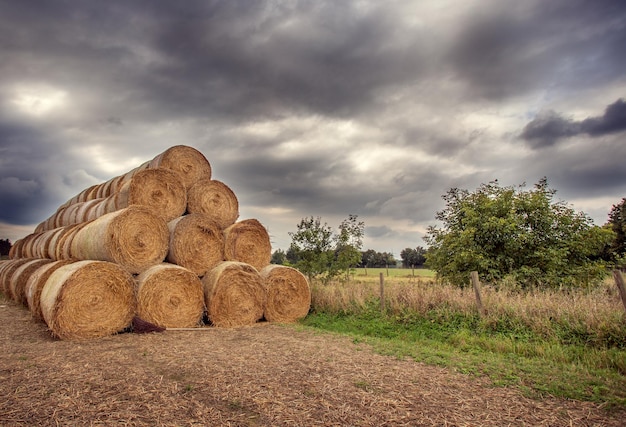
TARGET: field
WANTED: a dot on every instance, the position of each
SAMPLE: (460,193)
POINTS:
(568,344)
(263,375)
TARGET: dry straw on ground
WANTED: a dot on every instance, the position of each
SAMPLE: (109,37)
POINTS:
(35,284)
(213,198)
(88,299)
(288,294)
(170,296)
(234,294)
(133,237)
(248,241)
(196,243)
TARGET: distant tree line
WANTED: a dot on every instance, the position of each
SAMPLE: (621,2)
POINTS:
(5,247)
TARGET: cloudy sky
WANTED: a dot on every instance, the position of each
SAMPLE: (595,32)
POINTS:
(316,108)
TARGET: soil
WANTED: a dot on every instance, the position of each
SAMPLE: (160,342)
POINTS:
(262,375)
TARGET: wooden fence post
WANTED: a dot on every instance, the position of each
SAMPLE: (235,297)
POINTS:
(476,285)
(619,281)
(382,293)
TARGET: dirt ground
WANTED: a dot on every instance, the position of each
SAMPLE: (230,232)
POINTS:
(264,375)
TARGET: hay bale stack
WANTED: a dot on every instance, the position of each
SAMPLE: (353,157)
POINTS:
(20,278)
(35,283)
(166,209)
(63,248)
(6,275)
(215,199)
(189,162)
(88,299)
(196,243)
(248,241)
(162,190)
(234,294)
(3,265)
(288,294)
(134,238)
(170,296)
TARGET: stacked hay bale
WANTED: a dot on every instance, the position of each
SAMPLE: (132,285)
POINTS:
(160,243)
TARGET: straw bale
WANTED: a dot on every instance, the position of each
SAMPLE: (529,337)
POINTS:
(6,275)
(87,194)
(88,299)
(20,277)
(189,162)
(35,283)
(133,237)
(170,296)
(234,294)
(248,241)
(196,243)
(288,294)
(215,199)
(3,265)
(161,189)
(16,249)
(63,248)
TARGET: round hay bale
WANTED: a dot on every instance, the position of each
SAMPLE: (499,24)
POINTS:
(6,277)
(3,265)
(20,277)
(234,294)
(288,294)
(213,198)
(248,241)
(88,299)
(170,296)
(161,189)
(133,237)
(189,162)
(35,283)
(196,243)
(82,196)
(63,247)
(16,249)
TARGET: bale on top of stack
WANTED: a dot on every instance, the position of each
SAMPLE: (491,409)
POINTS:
(135,222)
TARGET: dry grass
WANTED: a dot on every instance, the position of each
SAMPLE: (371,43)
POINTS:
(596,311)
(263,375)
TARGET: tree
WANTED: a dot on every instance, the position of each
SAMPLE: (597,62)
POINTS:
(617,223)
(507,232)
(5,247)
(279,257)
(321,253)
(348,243)
(413,257)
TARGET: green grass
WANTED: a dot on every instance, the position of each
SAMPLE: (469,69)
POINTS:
(510,356)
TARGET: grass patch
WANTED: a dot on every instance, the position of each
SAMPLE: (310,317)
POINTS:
(509,356)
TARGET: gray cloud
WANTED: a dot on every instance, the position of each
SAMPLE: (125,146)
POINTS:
(310,107)
(549,127)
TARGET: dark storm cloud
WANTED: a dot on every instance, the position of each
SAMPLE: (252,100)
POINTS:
(232,59)
(548,128)
(505,50)
(303,56)
(23,191)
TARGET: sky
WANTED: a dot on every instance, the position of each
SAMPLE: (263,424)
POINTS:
(316,108)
